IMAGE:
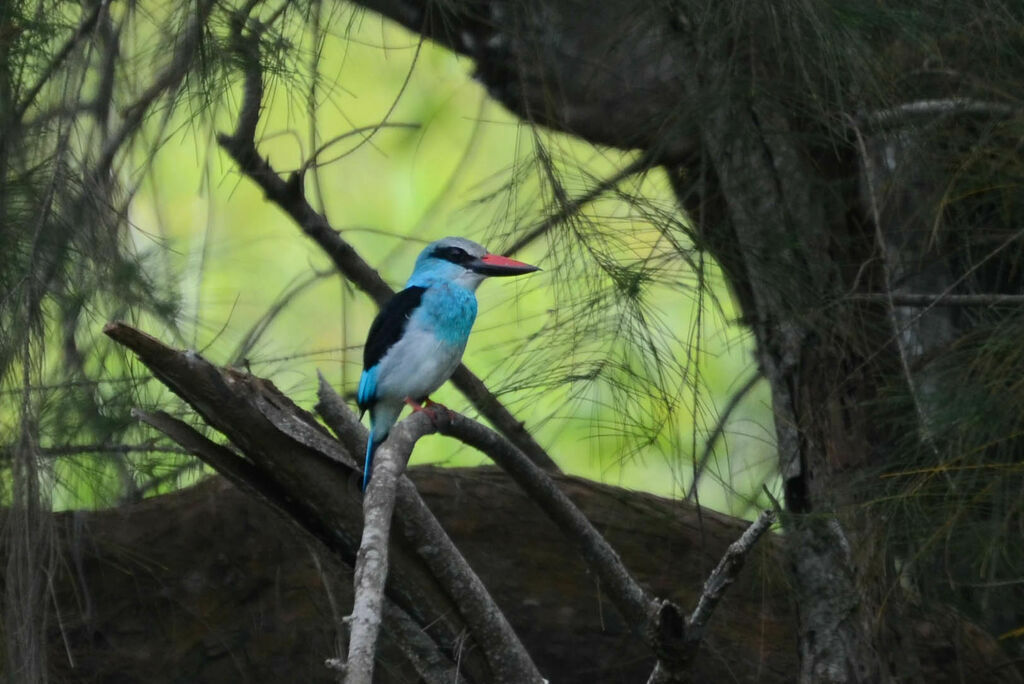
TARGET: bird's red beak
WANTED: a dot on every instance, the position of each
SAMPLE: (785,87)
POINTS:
(495,265)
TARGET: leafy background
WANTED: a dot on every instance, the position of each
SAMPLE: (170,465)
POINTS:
(619,355)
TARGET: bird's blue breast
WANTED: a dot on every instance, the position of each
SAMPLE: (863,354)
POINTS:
(449,310)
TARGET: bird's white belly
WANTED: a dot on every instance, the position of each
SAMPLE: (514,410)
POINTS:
(416,366)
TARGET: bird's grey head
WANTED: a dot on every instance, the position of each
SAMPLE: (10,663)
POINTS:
(463,262)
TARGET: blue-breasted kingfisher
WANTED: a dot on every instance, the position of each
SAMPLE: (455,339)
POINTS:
(416,341)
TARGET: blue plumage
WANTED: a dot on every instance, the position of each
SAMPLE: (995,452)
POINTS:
(416,341)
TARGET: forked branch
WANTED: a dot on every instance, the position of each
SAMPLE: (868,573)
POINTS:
(286,456)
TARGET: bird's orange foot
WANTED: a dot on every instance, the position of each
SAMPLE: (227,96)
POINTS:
(431,408)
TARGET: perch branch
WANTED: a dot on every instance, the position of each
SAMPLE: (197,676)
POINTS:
(371,569)
(504,652)
(290,197)
(421,650)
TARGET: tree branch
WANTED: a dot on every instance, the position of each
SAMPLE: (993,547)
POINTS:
(418,526)
(306,473)
(725,574)
(659,622)
(371,569)
(629,597)
(421,650)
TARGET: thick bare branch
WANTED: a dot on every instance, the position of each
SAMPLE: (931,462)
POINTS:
(313,478)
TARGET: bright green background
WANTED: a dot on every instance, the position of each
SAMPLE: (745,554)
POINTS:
(232,254)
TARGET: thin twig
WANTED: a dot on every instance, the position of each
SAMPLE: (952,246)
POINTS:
(719,429)
(570,208)
(938,107)
(939,299)
(715,586)
(725,574)
(82,449)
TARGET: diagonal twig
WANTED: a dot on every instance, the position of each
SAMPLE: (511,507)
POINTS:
(715,586)
(725,573)
(719,429)
(660,622)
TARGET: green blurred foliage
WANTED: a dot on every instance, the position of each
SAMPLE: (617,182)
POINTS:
(446,161)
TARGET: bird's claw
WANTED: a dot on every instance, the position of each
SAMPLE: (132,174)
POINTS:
(431,408)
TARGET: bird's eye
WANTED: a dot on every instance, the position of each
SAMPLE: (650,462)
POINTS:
(456,255)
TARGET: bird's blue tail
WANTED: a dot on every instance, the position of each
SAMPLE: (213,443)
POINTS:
(382,416)
(371,446)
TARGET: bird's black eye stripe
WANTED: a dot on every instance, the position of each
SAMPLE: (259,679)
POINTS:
(456,255)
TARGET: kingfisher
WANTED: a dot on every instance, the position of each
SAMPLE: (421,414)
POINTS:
(416,341)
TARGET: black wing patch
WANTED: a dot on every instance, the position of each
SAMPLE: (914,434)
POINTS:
(389,325)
